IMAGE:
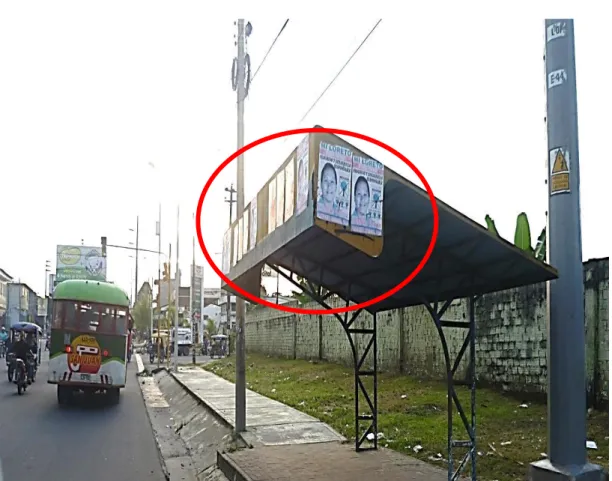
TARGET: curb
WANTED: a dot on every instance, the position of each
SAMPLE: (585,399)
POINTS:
(139,364)
(212,410)
(231,470)
(162,462)
(176,466)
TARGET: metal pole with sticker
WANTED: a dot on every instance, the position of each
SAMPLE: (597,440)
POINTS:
(566,370)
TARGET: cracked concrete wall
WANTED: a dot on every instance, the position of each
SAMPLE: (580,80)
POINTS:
(510,344)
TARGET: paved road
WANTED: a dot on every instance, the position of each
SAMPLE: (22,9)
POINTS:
(38,440)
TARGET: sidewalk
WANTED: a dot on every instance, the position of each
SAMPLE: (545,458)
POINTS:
(269,422)
(291,445)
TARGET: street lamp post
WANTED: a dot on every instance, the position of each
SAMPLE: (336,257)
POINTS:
(47,270)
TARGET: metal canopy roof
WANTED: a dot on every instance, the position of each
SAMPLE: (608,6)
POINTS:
(467,259)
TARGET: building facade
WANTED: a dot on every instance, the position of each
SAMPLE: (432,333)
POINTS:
(22,303)
(5,279)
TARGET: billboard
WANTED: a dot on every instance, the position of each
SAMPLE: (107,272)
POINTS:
(197,278)
(80,262)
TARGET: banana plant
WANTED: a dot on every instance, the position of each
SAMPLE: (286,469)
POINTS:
(522,236)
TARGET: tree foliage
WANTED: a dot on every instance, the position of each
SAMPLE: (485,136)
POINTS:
(211,327)
(142,313)
(522,236)
(302,297)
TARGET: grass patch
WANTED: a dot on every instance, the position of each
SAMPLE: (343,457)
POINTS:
(412,412)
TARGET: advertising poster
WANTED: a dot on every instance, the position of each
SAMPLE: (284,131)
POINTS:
(367,196)
(280,198)
(196,299)
(80,262)
(334,194)
(240,235)
(245,233)
(253,231)
(272,206)
(227,251)
(235,245)
(302,176)
(289,188)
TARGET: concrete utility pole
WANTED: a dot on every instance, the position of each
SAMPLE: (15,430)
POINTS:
(240,306)
(158,233)
(567,458)
(136,269)
(231,202)
(178,292)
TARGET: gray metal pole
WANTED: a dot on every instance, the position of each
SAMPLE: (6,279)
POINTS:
(136,272)
(566,329)
(228,297)
(240,306)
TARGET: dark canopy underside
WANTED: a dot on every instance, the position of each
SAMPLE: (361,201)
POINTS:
(467,259)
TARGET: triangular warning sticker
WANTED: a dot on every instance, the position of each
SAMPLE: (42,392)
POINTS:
(560,164)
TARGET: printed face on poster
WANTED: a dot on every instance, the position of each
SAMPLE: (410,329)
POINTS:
(253,231)
(367,196)
(280,198)
(235,246)
(226,253)
(334,189)
(271,206)
(245,233)
(240,234)
(302,176)
(289,188)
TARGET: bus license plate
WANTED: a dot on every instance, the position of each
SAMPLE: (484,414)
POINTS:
(85,377)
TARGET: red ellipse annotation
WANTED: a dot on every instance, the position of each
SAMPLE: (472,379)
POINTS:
(339,310)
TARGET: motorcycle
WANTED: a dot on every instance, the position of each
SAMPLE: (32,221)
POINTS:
(21,376)
(32,368)
(10,364)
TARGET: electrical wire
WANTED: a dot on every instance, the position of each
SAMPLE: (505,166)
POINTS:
(270,49)
(340,71)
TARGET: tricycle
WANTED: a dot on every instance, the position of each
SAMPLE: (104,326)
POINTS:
(218,345)
(32,333)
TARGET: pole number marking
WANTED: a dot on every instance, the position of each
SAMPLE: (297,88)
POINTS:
(556,78)
(555,30)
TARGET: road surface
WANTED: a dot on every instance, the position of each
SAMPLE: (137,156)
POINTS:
(38,440)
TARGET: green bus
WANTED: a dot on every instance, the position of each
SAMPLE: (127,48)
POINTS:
(89,339)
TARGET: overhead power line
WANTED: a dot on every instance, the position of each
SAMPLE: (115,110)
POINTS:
(341,70)
(270,49)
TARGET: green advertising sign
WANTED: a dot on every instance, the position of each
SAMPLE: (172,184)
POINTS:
(80,262)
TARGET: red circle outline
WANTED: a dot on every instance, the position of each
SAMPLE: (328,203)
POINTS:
(338,310)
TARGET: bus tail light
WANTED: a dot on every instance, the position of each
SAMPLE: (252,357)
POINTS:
(105,353)
(68,349)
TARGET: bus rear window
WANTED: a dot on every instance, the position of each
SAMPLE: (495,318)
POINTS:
(90,317)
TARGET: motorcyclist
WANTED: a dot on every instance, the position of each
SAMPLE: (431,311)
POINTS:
(3,341)
(21,349)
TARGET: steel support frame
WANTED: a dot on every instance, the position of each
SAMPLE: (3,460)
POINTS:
(369,412)
(453,401)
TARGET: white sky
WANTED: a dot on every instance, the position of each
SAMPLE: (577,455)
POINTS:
(91,93)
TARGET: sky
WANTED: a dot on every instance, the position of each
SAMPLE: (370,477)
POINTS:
(109,110)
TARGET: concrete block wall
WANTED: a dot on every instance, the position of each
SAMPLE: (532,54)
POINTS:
(510,346)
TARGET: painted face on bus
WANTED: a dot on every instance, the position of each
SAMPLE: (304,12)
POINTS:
(329,183)
(362,196)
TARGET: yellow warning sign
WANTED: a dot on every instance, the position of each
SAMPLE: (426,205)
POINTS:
(559,183)
(559,162)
